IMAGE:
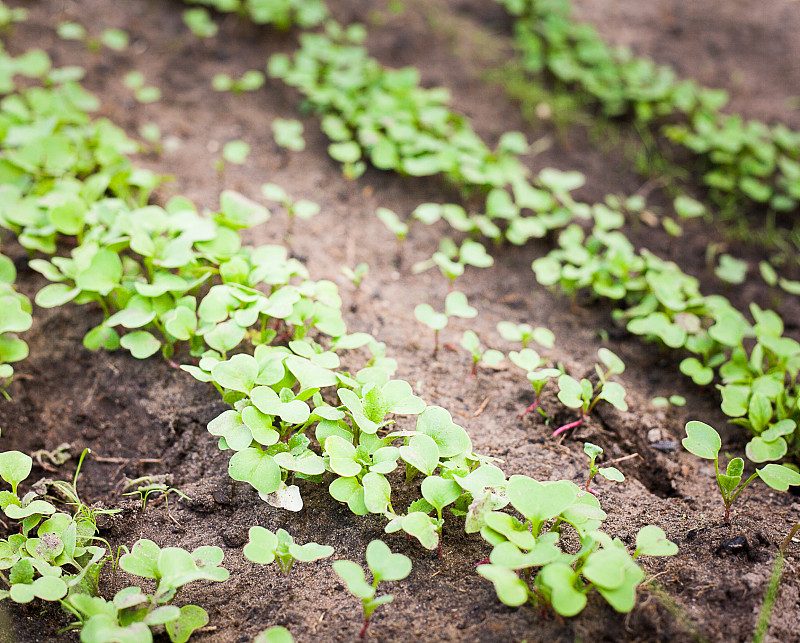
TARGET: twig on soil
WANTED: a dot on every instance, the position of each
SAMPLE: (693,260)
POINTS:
(482,407)
(625,457)
(113,460)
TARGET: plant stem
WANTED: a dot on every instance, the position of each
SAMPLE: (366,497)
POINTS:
(789,537)
(435,343)
(567,427)
(364,627)
(530,408)
(729,501)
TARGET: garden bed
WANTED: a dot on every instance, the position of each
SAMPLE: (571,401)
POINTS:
(145,417)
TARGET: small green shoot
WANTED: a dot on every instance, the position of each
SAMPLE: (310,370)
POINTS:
(135,81)
(704,442)
(384,565)
(288,133)
(455,304)
(609,473)
(525,334)
(265,546)
(295,209)
(490,357)
(250,81)
(529,361)
(149,485)
(585,395)
(199,22)
(275,634)
(356,275)
(661,402)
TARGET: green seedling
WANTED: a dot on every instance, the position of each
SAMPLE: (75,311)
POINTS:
(289,134)
(397,227)
(704,442)
(525,334)
(295,209)
(135,81)
(584,395)
(250,81)
(71,31)
(393,223)
(149,485)
(674,400)
(731,270)
(15,317)
(455,305)
(385,567)
(115,39)
(69,490)
(233,152)
(357,274)
(452,259)
(609,473)
(550,575)
(529,361)
(51,552)
(265,546)
(200,23)
(132,612)
(275,634)
(489,357)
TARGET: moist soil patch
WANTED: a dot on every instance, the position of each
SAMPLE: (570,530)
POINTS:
(145,417)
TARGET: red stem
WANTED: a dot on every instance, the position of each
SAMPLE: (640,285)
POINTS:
(567,427)
(364,627)
(530,408)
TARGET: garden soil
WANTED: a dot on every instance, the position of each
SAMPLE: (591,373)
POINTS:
(145,417)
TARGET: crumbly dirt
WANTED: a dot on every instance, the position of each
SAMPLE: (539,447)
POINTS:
(149,418)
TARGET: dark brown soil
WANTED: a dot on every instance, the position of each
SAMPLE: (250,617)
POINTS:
(131,410)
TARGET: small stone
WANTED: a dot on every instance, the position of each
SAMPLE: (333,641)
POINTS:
(654,435)
(736,545)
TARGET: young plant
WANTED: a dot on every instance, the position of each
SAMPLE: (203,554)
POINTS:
(551,575)
(300,209)
(584,395)
(250,80)
(69,490)
(529,361)
(704,442)
(132,612)
(525,334)
(455,305)
(385,567)
(357,274)
(200,23)
(609,473)
(265,546)
(452,259)
(397,227)
(135,81)
(149,485)
(289,134)
(489,357)
(275,634)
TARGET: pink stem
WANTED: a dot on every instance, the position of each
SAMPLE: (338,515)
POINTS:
(485,561)
(530,408)
(364,627)
(567,427)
